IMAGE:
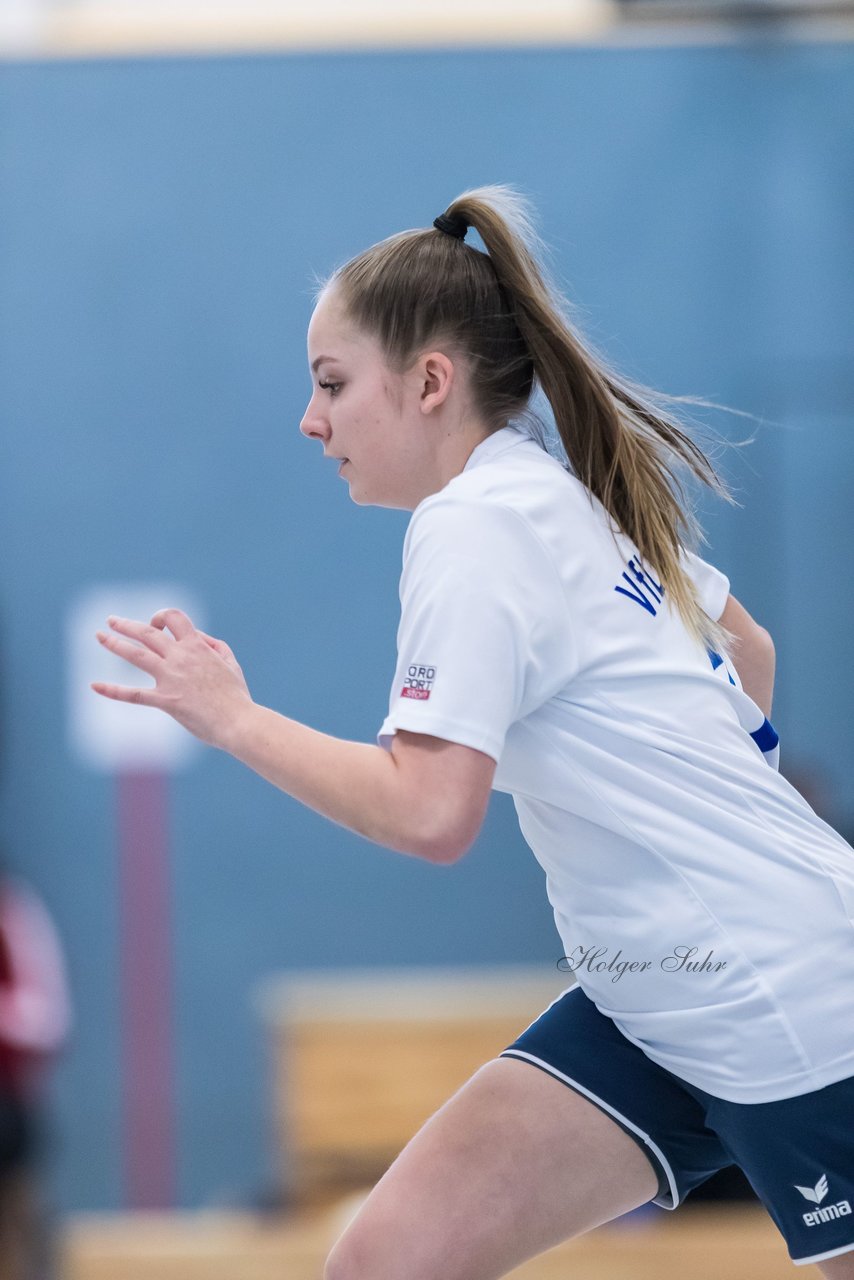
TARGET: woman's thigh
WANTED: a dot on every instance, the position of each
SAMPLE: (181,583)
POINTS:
(511,1165)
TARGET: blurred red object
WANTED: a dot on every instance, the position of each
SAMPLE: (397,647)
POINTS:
(35,1012)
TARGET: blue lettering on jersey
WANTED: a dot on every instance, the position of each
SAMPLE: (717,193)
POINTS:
(642,587)
(716,661)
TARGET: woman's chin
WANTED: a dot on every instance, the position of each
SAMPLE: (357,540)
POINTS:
(363,499)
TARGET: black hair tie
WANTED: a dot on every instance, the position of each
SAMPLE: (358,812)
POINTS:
(453,224)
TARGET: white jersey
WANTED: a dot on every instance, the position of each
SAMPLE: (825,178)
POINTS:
(701,903)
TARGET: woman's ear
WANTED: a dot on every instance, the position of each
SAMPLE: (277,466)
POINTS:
(436,377)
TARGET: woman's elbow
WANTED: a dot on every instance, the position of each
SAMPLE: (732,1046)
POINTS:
(765,638)
(761,645)
(450,840)
(444,794)
(444,848)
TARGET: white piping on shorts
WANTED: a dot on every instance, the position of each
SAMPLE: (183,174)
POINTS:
(819,1257)
(600,1102)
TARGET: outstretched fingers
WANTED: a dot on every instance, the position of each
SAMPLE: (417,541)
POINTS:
(145,649)
(144,633)
(121,693)
(144,659)
(195,677)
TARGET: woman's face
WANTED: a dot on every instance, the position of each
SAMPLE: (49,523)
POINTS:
(361,412)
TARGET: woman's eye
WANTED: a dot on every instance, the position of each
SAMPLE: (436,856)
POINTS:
(332,387)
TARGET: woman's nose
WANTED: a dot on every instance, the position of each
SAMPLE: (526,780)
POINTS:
(314,424)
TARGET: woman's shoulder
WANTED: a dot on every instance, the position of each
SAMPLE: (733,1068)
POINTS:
(522,485)
(513,523)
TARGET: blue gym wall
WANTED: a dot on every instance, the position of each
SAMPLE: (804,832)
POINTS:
(160,224)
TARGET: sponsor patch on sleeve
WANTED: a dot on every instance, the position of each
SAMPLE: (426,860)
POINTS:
(418,681)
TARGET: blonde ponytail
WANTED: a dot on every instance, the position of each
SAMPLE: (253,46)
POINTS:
(501,312)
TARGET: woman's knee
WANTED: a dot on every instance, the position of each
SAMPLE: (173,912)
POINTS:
(352,1257)
(337,1266)
(385,1241)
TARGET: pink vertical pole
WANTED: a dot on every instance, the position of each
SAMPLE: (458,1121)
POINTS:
(146,991)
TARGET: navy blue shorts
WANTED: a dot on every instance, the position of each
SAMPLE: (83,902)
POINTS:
(798,1153)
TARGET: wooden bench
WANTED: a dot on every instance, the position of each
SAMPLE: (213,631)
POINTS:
(360,1059)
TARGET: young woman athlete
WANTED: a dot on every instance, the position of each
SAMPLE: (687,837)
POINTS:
(560,642)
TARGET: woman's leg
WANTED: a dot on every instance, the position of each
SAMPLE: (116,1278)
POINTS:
(841,1268)
(512,1164)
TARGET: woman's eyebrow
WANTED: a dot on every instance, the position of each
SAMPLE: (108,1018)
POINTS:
(320,360)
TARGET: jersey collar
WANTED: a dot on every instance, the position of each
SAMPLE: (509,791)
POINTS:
(493,445)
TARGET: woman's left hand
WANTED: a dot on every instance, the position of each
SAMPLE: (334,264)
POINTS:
(197,679)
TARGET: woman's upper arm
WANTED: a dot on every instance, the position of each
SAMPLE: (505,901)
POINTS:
(448,787)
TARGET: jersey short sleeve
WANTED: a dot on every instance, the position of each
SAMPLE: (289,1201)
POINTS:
(484,634)
(712,585)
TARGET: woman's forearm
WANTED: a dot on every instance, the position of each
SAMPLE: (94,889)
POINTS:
(356,784)
(199,682)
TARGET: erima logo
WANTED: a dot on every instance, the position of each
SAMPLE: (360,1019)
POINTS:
(816,1194)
